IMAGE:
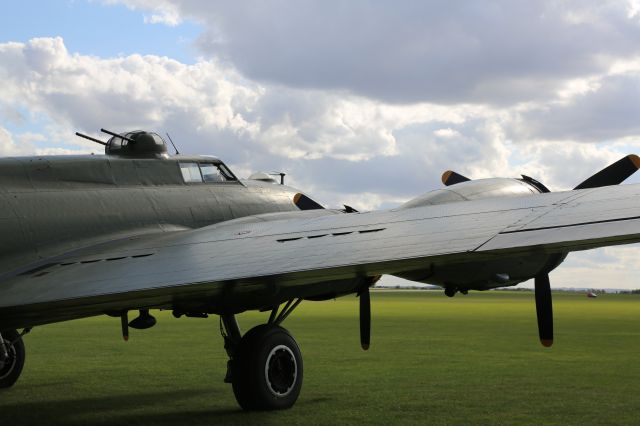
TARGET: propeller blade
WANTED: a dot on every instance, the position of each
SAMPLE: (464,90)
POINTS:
(124,323)
(544,309)
(365,318)
(538,185)
(613,174)
(305,203)
(451,178)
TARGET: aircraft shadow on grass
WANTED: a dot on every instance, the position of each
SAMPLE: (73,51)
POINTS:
(101,409)
(111,410)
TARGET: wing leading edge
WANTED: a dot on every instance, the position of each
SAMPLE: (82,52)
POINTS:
(249,264)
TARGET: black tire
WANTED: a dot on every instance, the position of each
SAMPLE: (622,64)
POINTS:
(11,367)
(267,369)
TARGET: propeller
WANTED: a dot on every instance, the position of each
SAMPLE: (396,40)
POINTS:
(544,309)
(305,203)
(124,323)
(451,178)
(365,318)
(613,174)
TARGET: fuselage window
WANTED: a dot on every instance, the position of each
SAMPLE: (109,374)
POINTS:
(190,172)
(211,173)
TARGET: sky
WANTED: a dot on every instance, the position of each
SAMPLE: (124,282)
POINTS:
(360,102)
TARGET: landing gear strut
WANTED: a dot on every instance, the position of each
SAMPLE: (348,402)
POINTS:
(265,366)
(12,356)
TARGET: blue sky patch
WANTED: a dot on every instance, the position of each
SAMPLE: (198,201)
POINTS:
(97,29)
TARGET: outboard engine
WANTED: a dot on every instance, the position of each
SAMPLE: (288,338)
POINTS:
(478,189)
(486,274)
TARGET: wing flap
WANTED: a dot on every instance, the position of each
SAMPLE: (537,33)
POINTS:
(566,238)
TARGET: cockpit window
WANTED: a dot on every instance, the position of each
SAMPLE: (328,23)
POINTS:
(211,173)
(190,172)
(226,172)
(206,172)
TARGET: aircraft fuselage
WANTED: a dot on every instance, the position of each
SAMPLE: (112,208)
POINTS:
(54,204)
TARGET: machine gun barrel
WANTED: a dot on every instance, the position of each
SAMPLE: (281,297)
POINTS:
(91,139)
(117,135)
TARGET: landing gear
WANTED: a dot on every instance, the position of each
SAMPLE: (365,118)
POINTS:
(267,369)
(12,356)
(450,291)
(265,366)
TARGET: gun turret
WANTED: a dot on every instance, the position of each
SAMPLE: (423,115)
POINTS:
(138,143)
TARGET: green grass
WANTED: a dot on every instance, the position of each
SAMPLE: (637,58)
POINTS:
(471,359)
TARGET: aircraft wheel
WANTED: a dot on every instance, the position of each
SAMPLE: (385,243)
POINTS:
(11,366)
(267,369)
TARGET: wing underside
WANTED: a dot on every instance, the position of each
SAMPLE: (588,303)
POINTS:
(241,265)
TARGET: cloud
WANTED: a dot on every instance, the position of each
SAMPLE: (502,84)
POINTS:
(25,144)
(9,147)
(607,111)
(497,52)
(164,12)
(325,140)
(86,93)
(610,267)
(562,165)
(210,106)
(446,133)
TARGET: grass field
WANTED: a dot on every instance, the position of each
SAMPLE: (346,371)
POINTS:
(471,359)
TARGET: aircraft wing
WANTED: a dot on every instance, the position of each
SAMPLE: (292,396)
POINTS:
(249,263)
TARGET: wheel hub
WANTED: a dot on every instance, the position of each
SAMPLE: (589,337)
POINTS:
(281,370)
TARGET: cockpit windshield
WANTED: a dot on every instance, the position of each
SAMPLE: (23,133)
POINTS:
(193,172)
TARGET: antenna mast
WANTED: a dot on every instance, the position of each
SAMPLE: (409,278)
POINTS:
(174,145)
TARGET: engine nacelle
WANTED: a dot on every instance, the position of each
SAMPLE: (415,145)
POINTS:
(478,189)
(481,275)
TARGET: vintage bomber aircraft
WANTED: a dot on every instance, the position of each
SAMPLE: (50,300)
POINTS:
(138,229)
